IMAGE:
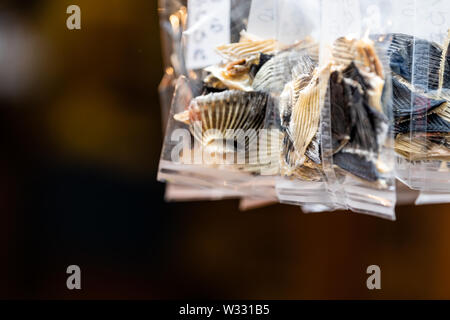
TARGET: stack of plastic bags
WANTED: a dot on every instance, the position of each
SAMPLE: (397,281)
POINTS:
(321,104)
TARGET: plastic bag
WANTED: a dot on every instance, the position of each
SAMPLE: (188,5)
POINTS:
(422,96)
(292,77)
(356,142)
(201,109)
(307,88)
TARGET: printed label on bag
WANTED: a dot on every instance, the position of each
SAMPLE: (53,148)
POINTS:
(262,19)
(208,27)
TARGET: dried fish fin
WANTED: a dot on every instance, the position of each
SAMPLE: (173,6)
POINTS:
(418,149)
(220,113)
(353,119)
(238,82)
(305,118)
(403,93)
(313,151)
(259,63)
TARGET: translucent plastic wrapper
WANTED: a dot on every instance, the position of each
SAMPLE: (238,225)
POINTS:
(420,62)
(356,143)
(173,15)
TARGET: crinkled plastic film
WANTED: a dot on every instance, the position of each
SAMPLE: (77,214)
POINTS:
(357,145)
(423,139)
(172,15)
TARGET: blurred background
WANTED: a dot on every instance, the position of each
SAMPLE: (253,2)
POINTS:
(80,134)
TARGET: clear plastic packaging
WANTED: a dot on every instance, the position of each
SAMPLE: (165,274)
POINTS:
(297,83)
(421,81)
(198,149)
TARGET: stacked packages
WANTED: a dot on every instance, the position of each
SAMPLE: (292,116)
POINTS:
(322,104)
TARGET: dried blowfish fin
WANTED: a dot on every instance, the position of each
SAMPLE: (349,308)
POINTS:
(247,49)
(305,117)
(445,61)
(354,120)
(433,123)
(403,92)
(359,128)
(368,72)
(357,165)
(289,96)
(266,155)
(278,71)
(418,149)
(235,75)
(436,124)
(339,95)
(221,112)
(220,77)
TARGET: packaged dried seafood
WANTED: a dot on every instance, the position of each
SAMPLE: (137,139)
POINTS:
(357,147)
(219,134)
(229,104)
(173,18)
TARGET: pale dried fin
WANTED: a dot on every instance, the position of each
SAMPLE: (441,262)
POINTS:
(246,49)
(306,112)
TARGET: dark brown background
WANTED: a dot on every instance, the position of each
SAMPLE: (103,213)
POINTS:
(80,136)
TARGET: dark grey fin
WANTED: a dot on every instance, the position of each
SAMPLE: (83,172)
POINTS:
(356,165)
(402,49)
(434,124)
